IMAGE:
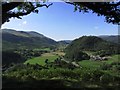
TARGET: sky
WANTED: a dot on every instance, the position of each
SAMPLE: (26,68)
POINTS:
(60,22)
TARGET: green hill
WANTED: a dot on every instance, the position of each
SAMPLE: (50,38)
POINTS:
(12,39)
(92,43)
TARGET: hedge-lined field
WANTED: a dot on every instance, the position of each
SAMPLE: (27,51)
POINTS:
(41,60)
(91,64)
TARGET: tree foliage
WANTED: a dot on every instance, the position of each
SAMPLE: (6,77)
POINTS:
(76,55)
(18,9)
(29,77)
(110,10)
(10,57)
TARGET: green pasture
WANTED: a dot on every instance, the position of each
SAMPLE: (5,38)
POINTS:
(41,60)
(113,58)
(46,49)
(90,64)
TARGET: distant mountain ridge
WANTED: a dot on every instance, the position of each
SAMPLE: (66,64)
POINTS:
(12,39)
(65,41)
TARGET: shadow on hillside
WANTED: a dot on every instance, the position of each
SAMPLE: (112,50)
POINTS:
(12,83)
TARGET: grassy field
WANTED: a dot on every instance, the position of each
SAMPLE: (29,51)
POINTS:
(114,58)
(96,64)
(90,64)
(59,53)
(46,49)
(41,60)
(89,75)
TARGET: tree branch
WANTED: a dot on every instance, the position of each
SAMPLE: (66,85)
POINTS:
(7,14)
(13,14)
(9,6)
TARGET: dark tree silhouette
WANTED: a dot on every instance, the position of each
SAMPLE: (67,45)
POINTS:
(110,10)
(22,9)
(46,61)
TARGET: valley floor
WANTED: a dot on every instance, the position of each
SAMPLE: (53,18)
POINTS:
(89,74)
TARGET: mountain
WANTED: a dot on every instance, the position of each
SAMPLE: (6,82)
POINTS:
(12,39)
(91,43)
(111,38)
(65,41)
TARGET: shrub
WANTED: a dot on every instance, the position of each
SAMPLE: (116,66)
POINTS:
(76,55)
(105,66)
(105,79)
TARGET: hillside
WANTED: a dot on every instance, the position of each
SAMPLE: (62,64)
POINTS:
(92,43)
(12,39)
(63,44)
(111,38)
(65,41)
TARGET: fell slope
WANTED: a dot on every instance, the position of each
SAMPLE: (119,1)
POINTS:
(12,39)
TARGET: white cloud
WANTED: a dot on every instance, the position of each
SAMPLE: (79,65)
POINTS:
(25,22)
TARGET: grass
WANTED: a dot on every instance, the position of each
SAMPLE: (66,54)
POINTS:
(90,64)
(59,53)
(41,60)
(96,64)
(71,78)
(114,58)
(87,76)
(46,49)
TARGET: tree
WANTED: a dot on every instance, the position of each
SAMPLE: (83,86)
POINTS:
(9,57)
(76,55)
(22,9)
(110,10)
(46,61)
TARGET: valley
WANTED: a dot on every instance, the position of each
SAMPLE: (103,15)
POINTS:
(32,60)
(41,60)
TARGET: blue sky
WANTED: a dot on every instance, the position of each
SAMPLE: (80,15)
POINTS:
(60,22)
